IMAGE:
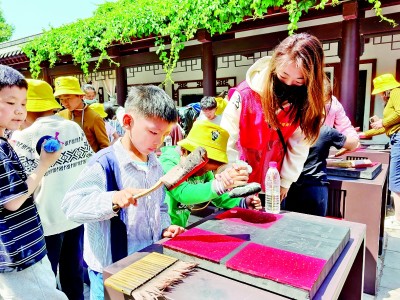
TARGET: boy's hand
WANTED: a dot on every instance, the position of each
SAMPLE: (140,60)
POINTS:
(126,197)
(173,231)
(253,202)
(49,158)
(233,176)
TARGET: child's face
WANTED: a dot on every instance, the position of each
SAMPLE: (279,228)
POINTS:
(71,102)
(385,96)
(211,165)
(210,113)
(12,108)
(145,134)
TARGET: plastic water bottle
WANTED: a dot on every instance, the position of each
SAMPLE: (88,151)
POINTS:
(168,140)
(272,189)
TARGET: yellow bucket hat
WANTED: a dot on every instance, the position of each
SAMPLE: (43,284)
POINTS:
(383,83)
(67,85)
(99,108)
(210,136)
(40,96)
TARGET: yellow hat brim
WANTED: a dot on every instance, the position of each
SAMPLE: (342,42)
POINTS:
(212,153)
(102,114)
(39,105)
(385,88)
(60,92)
(99,108)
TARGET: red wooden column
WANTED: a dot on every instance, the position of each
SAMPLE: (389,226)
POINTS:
(350,58)
(45,72)
(121,85)
(207,64)
(120,75)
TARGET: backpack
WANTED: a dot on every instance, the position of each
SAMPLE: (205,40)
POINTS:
(119,239)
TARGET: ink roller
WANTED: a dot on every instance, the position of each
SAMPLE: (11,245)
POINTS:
(245,190)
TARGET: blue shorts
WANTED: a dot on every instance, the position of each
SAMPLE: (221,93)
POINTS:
(394,172)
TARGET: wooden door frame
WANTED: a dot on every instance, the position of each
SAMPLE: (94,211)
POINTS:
(337,75)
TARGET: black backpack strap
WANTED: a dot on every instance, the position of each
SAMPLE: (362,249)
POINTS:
(282,140)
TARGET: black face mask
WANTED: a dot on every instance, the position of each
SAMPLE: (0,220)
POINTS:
(291,93)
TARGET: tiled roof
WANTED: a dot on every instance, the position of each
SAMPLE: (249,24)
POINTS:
(10,54)
(12,49)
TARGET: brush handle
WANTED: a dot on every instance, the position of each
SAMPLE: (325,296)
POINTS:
(158,184)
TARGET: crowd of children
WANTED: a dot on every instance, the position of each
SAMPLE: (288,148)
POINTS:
(61,191)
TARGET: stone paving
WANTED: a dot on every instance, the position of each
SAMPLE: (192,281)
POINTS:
(389,263)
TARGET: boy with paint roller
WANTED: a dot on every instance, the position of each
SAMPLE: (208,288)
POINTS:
(202,186)
(113,176)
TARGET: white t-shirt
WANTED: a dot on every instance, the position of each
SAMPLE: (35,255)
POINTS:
(110,131)
(60,176)
(216,120)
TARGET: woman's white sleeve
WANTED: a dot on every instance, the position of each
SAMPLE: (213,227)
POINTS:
(230,122)
(296,156)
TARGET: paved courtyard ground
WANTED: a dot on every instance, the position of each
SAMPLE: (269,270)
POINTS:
(389,263)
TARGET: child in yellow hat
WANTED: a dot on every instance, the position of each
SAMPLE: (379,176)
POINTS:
(389,89)
(68,90)
(383,84)
(202,186)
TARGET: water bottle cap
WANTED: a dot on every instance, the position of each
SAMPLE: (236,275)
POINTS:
(168,140)
(273,164)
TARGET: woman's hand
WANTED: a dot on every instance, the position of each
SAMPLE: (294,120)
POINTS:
(284,192)
(377,124)
(126,197)
(173,231)
(362,135)
(253,202)
(373,119)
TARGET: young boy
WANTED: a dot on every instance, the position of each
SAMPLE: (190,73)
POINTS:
(208,110)
(64,238)
(25,270)
(309,194)
(202,186)
(113,176)
(67,89)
